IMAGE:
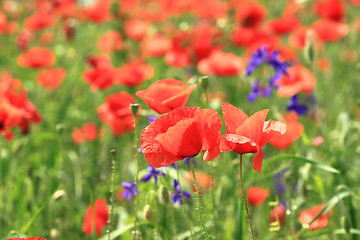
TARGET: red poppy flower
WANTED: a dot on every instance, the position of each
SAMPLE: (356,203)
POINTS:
(155,46)
(323,64)
(204,181)
(102,75)
(117,113)
(99,11)
(88,132)
(222,64)
(209,9)
(23,39)
(256,196)
(36,57)
(294,131)
(299,79)
(248,134)
(39,21)
(284,25)
(178,58)
(183,132)
(136,29)
(98,217)
(110,41)
(134,73)
(278,214)
(52,78)
(165,95)
(329,31)
(330,9)
(306,216)
(250,13)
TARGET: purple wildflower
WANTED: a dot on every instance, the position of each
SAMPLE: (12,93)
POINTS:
(152,118)
(130,190)
(257,90)
(295,105)
(187,161)
(177,195)
(153,172)
(256,60)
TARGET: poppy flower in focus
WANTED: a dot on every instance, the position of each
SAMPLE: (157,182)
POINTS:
(256,196)
(203,180)
(136,29)
(250,13)
(88,132)
(294,130)
(110,41)
(306,216)
(330,9)
(155,46)
(299,79)
(36,57)
(248,134)
(284,25)
(329,31)
(183,132)
(117,113)
(52,78)
(165,95)
(278,214)
(134,73)
(221,64)
(39,21)
(98,217)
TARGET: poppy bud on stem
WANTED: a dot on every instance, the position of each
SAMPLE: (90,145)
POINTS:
(134,109)
(245,201)
(204,82)
(198,202)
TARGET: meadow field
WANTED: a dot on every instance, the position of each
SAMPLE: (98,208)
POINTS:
(166,119)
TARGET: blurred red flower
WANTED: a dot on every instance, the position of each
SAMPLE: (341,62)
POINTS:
(248,134)
(110,41)
(98,217)
(306,216)
(249,13)
(221,64)
(278,214)
(204,181)
(28,238)
(134,73)
(51,78)
(117,113)
(299,79)
(165,95)
(330,9)
(256,196)
(136,29)
(155,46)
(287,23)
(98,12)
(294,130)
(37,57)
(183,132)
(39,21)
(102,75)
(329,31)
(88,132)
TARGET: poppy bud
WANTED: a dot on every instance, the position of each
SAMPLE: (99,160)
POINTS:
(164,195)
(134,108)
(204,81)
(309,52)
(148,212)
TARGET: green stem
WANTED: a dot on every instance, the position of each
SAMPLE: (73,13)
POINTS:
(113,151)
(137,176)
(185,210)
(198,202)
(245,201)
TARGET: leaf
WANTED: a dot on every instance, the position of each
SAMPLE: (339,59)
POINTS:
(315,163)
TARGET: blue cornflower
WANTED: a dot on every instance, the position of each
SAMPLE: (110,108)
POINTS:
(152,118)
(295,105)
(279,188)
(130,190)
(176,197)
(139,150)
(256,60)
(187,161)
(153,172)
(256,91)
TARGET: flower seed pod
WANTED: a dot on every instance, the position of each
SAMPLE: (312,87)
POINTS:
(164,195)
(309,52)
(148,212)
